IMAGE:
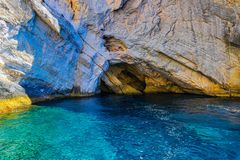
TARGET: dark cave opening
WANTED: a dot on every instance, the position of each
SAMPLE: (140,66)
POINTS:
(123,79)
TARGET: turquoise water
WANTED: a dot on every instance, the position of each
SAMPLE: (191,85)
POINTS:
(152,127)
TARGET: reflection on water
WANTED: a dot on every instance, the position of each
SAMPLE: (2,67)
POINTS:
(124,127)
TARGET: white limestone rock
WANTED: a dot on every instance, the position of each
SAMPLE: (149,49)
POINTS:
(65,47)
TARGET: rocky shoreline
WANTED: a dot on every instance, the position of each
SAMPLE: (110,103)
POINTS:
(84,47)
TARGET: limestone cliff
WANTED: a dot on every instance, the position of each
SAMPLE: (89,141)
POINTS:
(55,48)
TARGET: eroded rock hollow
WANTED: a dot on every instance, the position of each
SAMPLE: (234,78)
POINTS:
(52,48)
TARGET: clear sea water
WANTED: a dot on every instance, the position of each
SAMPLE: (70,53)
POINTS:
(152,127)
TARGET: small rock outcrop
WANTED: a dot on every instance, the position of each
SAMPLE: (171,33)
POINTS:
(61,48)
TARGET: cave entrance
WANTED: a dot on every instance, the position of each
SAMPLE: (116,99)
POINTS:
(139,78)
(123,79)
(136,79)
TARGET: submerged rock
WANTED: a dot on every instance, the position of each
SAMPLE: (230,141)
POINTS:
(79,47)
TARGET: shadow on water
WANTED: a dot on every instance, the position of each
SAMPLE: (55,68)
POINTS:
(171,102)
(133,105)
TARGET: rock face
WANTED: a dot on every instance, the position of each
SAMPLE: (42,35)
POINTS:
(79,47)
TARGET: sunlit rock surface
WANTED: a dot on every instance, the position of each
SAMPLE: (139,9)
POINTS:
(79,47)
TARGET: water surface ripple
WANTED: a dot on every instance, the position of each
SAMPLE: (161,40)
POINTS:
(151,127)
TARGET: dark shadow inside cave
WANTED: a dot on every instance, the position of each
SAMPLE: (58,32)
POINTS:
(123,79)
(126,78)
